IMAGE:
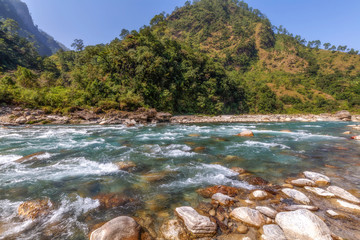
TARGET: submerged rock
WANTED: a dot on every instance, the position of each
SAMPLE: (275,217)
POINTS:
(246,134)
(120,228)
(272,232)
(34,209)
(256,180)
(31,157)
(223,199)
(341,193)
(112,200)
(302,182)
(238,170)
(248,216)
(320,192)
(303,225)
(319,179)
(172,230)
(125,166)
(296,195)
(197,225)
(210,191)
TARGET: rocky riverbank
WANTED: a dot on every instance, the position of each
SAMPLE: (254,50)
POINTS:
(21,116)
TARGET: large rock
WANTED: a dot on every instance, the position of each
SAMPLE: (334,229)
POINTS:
(272,232)
(341,193)
(296,195)
(248,216)
(35,209)
(343,115)
(197,225)
(303,225)
(120,228)
(302,182)
(320,192)
(319,179)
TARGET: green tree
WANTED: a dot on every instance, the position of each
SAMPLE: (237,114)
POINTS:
(78,45)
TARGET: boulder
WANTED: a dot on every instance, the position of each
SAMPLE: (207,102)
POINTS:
(302,182)
(267,211)
(120,228)
(35,209)
(246,134)
(172,230)
(223,199)
(343,115)
(210,191)
(196,225)
(248,216)
(296,195)
(341,193)
(320,192)
(272,232)
(258,195)
(319,179)
(21,120)
(303,225)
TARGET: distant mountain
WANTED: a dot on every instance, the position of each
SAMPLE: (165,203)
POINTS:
(18,10)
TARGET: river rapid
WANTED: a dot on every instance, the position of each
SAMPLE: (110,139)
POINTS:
(78,166)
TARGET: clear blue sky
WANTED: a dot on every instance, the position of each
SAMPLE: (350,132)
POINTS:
(94,21)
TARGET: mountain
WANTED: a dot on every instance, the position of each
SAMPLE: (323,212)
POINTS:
(209,56)
(18,11)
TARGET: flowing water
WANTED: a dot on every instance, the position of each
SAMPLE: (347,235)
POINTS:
(78,163)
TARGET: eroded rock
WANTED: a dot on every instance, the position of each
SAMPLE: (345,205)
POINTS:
(259,195)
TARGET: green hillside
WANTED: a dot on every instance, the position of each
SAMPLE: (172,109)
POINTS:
(211,57)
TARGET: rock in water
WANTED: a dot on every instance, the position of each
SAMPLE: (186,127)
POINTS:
(172,230)
(319,179)
(302,182)
(267,211)
(35,209)
(272,232)
(259,195)
(31,157)
(248,216)
(303,225)
(341,193)
(246,134)
(120,228)
(295,194)
(197,225)
(223,199)
(320,192)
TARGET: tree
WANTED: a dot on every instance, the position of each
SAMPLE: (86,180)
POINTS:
(327,45)
(78,45)
(333,48)
(342,48)
(124,33)
(317,44)
(353,52)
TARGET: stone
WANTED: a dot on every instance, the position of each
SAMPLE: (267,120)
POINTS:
(248,216)
(296,195)
(156,176)
(347,206)
(287,185)
(267,211)
(335,215)
(319,179)
(258,195)
(256,180)
(194,135)
(303,225)
(212,212)
(285,131)
(120,228)
(343,115)
(242,229)
(341,193)
(297,207)
(272,232)
(112,200)
(320,192)
(302,182)
(347,132)
(238,170)
(35,209)
(125,166)
(210,191)
(197,225)
(172,230)
(199,149)
(21,120)
(223,199)
(246,134)
(30,158)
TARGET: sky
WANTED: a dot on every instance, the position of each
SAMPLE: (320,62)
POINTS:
(95,21)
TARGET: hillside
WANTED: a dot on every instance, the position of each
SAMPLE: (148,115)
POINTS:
(18,11)
(212,57)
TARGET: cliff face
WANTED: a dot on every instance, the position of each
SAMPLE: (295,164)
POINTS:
(18,10)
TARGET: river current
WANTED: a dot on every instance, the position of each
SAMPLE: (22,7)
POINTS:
(79,163)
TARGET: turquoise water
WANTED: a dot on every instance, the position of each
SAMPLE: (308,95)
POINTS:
(78,164)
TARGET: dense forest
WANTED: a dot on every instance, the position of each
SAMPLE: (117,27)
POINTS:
(208,57)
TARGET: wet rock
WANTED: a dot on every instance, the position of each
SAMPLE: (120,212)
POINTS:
(156,176)
(320,192)
(199,149)
(163,117)
(343,115)
(259,195)
(302,182)
(172,230)
(210,191)
(341,193)
(349,207)
(120,228)
(35,209)
(272,232)
(248,216)
(31,157)
(319,179)
(223,199)
(298,207)
(197,225)
(242,229)
(256,180)
(267,211)
(238,170)
(303,225)
(246,134)
(125,166)
(194,135)
(112,200)
(285,131)
(296,195)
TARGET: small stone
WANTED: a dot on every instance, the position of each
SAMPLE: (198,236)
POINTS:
(296,195)
(285,131)
(212,212)
(272,232)
(259,195)
(267,211)
(246,134)
(248,216)
(341,193)
(320,179)
(302,182)
(242,229)
(298,207)
(320,192)
(199,149)
(287,185)
(223,199)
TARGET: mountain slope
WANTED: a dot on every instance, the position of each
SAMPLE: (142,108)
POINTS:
(18,11)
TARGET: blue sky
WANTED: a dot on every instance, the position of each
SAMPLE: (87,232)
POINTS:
(94,21)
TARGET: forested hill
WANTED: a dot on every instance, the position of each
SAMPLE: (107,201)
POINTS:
(18,11)
(210,56)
